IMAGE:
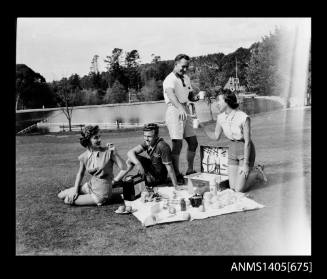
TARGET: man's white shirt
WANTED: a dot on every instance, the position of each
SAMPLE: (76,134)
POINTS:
(175,83)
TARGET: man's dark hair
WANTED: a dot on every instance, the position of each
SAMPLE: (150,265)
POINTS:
(181,56)
(230,98)
(151,127)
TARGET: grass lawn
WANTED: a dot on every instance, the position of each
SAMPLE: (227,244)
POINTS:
(46,226)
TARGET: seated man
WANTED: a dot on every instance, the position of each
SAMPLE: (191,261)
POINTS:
(154,169)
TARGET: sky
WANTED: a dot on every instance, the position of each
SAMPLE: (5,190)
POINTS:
(60,47)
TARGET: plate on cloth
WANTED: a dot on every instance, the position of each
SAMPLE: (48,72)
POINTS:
(125,212)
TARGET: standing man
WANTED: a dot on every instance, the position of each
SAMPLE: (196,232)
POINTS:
(177,93)
(155,168)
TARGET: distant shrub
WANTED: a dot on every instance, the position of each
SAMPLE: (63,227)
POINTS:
(90,97)
(42,130)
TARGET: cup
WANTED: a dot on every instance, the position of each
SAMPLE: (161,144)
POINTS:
(121,208)
(196,123)
(201,95)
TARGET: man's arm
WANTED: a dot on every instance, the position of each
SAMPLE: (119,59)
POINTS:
(172,97)
(171,173)
(118,159)
(131,154)
(166,157)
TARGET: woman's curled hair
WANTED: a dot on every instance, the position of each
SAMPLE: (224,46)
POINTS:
(87,133)
(230,98)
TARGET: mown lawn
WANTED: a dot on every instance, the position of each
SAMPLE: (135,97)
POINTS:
(46,226)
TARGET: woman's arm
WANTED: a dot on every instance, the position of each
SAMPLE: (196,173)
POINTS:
(118,159)
(247,145)
(218,130)
(212,135)
(79,176)
(75,190)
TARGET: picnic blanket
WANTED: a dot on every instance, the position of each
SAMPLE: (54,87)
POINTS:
(143,210)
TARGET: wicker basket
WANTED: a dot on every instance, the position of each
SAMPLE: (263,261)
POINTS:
(214,162)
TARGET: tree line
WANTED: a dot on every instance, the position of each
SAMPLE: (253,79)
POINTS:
(127,80)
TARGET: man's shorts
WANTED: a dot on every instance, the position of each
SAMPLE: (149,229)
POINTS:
(179,129)
(236,153)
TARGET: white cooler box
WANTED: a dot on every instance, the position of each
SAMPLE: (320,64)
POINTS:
(214,167)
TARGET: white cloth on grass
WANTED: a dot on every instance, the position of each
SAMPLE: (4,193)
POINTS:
(143,210)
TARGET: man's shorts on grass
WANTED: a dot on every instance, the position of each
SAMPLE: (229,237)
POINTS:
(179,129)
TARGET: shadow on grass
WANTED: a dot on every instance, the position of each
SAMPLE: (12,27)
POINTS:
(115,199)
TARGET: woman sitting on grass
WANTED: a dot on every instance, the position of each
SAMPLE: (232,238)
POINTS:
(98,161)
(241,152)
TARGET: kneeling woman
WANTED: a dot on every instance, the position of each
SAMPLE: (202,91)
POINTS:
(98,162)
(241,152)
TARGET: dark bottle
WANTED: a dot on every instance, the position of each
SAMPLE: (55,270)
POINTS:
(183,205)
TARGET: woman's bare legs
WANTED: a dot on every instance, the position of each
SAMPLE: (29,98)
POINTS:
(85,199)
(243,184)
(82,199)
(62,195)
(232,176)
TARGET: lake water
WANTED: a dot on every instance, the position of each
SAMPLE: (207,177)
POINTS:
(134,113)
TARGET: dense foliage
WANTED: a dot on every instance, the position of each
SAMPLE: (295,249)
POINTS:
(259,70)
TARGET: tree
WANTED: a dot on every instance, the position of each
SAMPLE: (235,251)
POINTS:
(268,71)
(132,59)
(207,77)
(116,94)
(86,82)
(66,93)
(75,81)
(152,90)
(115,68)
(132,69)
(155,58)
(40,95)
(26,81)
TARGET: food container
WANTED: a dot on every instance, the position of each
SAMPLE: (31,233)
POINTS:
(201,95)
(214,159)
(185,215)
(183,205)
(165,204)
(196,200)
(214,171)
(196,123)
(197,183)
(201,208)
(172,210)
(121,208)
(207,196)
